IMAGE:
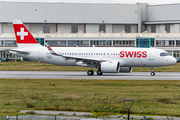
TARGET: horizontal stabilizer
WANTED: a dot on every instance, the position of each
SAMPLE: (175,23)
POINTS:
(20,51)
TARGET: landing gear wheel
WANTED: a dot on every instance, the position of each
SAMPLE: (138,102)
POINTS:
(90,72)
(99,72)
(152,73)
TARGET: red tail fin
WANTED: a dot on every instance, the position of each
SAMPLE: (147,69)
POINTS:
(23,36)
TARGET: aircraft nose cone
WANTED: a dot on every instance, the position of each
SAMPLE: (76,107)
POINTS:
(173,60)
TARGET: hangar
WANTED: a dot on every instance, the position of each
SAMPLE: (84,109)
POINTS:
(88,24)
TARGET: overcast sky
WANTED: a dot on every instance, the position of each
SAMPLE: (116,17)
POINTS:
(151,2)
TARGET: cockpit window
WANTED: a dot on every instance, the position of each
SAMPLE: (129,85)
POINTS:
(164,54)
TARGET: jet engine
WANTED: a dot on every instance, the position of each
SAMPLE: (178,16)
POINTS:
(110,67)
(113,67)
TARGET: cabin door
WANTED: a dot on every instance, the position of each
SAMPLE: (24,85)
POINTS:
(151,55)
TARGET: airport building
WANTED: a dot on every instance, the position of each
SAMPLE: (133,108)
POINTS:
(87,24)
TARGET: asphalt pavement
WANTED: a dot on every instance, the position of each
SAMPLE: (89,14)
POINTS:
(83,75)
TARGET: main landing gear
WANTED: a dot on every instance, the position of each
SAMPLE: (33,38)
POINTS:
(152,71)
(91,72)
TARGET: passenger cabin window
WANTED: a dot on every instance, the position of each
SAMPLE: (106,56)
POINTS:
(164,54)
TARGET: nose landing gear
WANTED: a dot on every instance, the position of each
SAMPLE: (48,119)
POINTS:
(152,71)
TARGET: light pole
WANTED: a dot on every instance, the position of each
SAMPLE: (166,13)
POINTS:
(128,108)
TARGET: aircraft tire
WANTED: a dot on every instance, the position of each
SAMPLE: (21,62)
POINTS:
(90,72)
(99,72)
(152,73)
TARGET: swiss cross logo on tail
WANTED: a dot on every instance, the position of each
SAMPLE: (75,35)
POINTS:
(22,33)
(23,36)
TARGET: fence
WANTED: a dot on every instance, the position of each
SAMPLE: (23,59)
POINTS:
(116,117)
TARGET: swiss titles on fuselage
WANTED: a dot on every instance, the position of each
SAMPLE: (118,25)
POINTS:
(134,54)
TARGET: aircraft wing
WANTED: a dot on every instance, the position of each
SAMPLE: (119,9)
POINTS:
(77,58)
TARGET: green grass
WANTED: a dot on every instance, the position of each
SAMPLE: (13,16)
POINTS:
(102,97)
(37,66)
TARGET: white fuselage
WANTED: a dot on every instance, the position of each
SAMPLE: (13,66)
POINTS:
(130,57)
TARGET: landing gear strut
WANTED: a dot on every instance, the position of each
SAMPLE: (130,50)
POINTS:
(99,72)
(152,71)
(90,72)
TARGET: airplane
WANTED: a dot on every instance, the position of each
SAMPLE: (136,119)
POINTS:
(106,59)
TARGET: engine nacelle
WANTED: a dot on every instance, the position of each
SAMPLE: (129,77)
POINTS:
(80,63)
(110,67)
(125,69)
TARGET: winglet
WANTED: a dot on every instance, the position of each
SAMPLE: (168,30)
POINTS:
(50,50)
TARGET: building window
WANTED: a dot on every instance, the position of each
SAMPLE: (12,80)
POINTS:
(128,28)
(46,28)
(101,42)
(40,41)
(178,42)
(153,28)
(164,42)
(123,43)
(102,27)
(176,54)
(78,43)
(10,43)
(56,43)
(144,42)
(167,28)
(1,43)
(74,28)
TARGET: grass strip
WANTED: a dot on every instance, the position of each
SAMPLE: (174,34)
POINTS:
(103,97)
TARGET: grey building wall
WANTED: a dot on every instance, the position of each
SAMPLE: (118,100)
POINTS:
(53,28)
(142,16)
(161,15)
(28,26)
(64,28)
(117,28)
(7,28)
(177,28)
(164,13)
(68,12)
(92,28)
(174,28)
(148,28)
(160,28)
(81,27)
(60,16)
(34,28)
(134,28)
(109,28)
